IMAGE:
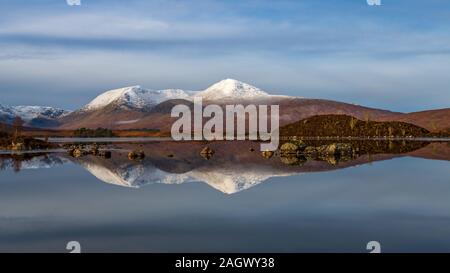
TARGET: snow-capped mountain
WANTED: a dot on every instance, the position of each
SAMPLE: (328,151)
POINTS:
(136,107)
(27,113)
(6,113)
(135,97)
(30,113)
(231,89)
(141,98)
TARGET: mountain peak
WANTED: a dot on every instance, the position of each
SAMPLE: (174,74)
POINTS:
(230,88)
(28,113)
(111,96)
(134,97)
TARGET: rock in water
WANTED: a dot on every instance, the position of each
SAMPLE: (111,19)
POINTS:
(289,148)
(136,155)
(310,151)
(331,149)
(207,153)
(78,153)
(267,154)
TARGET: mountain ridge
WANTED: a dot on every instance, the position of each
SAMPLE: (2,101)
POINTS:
(32,115)
(135,107)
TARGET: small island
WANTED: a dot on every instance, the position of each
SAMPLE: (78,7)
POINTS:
(11,138)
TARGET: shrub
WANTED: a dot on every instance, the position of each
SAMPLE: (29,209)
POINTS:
(99,132)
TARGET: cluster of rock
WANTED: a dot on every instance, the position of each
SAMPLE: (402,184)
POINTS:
(83,150)
(296,153)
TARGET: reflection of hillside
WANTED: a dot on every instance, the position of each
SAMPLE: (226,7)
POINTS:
(235,166)
(438,150)
(228,178)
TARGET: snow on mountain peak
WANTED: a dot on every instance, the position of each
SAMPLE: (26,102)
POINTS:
(230,88)
(135,97)
(110,96)
(28,113)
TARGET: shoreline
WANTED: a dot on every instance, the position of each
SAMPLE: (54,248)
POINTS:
(283,138)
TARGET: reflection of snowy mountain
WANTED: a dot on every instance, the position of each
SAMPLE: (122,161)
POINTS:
(136,175)
(229,181)
(129,175)
(36,162)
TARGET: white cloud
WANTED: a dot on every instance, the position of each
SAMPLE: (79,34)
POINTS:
(84,51)
(73,2)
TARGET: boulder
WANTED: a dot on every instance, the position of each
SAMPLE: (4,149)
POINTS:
(289,148)
(310,151)
(267,154)
(331,149)
(207,153)
(78,153)
(136,155)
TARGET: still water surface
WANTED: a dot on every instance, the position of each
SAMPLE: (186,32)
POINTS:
(234,202)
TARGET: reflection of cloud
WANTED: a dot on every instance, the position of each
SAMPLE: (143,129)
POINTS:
(74,2)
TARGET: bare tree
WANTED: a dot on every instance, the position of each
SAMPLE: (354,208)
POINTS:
(353,122)
(390,131)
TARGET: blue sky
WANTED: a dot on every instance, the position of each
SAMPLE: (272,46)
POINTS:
(396,56)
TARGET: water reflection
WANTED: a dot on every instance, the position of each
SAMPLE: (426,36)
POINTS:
(18,162)
(233,167)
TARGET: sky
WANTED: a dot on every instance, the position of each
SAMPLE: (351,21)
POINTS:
(395,56)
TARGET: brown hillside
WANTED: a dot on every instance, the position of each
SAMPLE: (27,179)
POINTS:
(108,117)
(433,120)
(291,109)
